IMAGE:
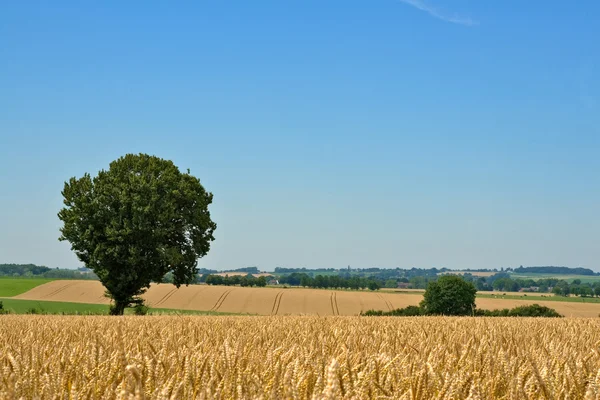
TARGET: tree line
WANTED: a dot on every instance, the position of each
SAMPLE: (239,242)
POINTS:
(39,271)
(330,281)
(235,280)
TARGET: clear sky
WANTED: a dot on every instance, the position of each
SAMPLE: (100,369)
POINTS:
(390,133)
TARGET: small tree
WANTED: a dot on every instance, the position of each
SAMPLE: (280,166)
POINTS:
(449,295)
(136,222)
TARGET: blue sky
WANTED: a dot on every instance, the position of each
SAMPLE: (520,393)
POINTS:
(391,133)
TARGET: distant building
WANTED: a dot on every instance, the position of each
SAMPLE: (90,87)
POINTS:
(403,285)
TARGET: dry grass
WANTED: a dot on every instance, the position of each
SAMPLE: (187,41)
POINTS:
(297,357)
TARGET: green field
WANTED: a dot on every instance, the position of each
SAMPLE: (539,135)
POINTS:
(16,306)
(10,286)
(547,297)
(524,296)
(569,278)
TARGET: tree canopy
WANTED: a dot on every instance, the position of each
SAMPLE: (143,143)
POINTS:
(135,222)
(449,295)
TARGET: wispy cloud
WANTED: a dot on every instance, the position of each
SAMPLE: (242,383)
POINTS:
(440,14)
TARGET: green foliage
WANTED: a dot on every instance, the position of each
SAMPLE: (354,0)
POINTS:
(410,311)
(420,282)
(69,274)
(249,270)
(449,295)
(506,284)
(390,284)
(533,310)
(293,279)
(235,280)
(22,269)
(338,282)
(17,306)
(135,222)
(140,309)
(554,270)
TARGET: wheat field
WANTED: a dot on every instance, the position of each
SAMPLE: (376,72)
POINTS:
(173,357)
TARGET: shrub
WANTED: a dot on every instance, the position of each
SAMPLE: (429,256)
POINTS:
(140,309)
(410,311)
(533,310)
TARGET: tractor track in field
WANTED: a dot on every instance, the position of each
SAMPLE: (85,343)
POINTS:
(277,303)
(193,297)
(221,299)
(165,297)
(334,305)
(60,289)
(389,305)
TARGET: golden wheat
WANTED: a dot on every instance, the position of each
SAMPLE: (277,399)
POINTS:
(170,357)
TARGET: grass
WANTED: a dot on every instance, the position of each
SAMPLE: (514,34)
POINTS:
(17,306)
(53,307)
(524,296)
(569,278)
(548,297)
(10,286)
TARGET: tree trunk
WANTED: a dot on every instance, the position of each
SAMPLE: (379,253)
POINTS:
(118,308)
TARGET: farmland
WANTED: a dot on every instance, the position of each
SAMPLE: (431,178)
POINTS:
(10,287)
(18,306)
(297,357)
(566,277)
(279,301)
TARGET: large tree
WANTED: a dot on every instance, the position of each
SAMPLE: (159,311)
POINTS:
(449,295)
(135,222)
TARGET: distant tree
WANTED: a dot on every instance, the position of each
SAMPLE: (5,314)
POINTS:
(305,280)
(135,222)
(585,291)
(391,283)
(449,295)
(261,281)
(418,282)
(564,287)
(373,285)
(557,291)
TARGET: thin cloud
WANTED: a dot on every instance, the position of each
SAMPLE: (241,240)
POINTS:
(434,12)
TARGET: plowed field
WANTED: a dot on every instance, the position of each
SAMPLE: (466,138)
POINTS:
(273,301)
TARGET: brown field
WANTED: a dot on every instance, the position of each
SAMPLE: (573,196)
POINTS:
(174,357)
(263,301)
(275,301)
